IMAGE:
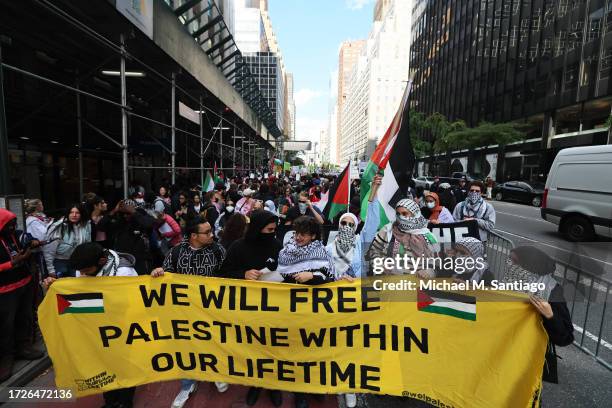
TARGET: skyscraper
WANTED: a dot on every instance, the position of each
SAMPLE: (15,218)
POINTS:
(376,83)
(257,41)
(349,52)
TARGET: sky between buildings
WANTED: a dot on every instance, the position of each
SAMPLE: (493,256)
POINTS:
(309,33)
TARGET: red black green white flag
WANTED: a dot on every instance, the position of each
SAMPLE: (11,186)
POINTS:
(447,303)
(80,303)
(394,156)
(338,196)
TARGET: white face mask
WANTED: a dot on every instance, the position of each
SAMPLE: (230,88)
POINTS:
(431,204)
(229,208)
(303,207)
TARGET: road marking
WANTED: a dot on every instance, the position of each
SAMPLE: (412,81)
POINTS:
(553,246)
(521,216)
(592,337)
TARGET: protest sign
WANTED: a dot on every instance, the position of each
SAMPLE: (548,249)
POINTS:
(109,333)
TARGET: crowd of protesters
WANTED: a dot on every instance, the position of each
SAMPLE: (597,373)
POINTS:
(244,228)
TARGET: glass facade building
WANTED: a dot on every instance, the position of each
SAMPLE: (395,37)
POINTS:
(546,63)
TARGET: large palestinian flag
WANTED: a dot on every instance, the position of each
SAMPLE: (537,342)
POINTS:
(338,195)
(393,155)
(209,183)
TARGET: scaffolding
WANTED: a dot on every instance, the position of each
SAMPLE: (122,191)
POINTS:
(212,122)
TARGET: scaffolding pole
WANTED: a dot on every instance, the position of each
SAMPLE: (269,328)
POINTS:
(5,181)
(79,138)
(173,134)
(202,179)
(124,134)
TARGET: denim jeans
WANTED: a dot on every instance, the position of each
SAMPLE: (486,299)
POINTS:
(185,384)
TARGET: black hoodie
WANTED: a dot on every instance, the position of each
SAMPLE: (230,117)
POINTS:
(255,250)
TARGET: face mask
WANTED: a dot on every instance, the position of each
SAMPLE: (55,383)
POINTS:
(267,236)
(346,237)
(474,197)
(303,207)
(406,224)
(431,205)
(229,209)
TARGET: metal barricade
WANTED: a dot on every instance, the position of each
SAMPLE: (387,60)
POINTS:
(497,251)
(587,299)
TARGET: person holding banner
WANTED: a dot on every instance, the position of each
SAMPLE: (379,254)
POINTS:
(476,208)
(531,265)
(407,236)
(472,248)
(199,255)
(250,258)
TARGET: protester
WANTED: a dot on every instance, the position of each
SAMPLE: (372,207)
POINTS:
(304,258)
(408,235)
(245,204)
(180,209)
(435,185)
(472,248)
(476,208)
(130,230)
(460,192)
(248,258)
(227,212)
(269,206)
(37,223)
(434,212)
(346,248)
(16,297)
(235,228)
(195,207)
(91,260)
(200,256)
(305,207)
(531,265)
(98,220)
(162,202)
(168,230)
(63,236)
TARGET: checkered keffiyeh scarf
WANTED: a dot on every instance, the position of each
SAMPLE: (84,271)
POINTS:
(293,259)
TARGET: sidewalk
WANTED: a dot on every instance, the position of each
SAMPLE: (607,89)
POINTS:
(162,394)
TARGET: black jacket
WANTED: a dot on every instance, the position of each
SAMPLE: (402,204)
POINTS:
(133,237)
(254,251)
(560,333)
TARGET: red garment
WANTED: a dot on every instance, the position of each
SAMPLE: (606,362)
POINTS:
(435,212)
(175,234)
(12,278)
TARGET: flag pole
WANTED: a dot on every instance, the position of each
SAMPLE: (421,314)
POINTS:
(348,204)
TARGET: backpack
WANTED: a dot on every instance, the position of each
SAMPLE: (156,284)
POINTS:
(167,208)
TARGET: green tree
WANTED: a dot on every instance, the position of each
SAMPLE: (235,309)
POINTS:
(485,134)
(417,125)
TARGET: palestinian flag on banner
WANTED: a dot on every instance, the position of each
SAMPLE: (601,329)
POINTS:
(338,195)
(209,183)
(80,303)
(395,157)
(447,303)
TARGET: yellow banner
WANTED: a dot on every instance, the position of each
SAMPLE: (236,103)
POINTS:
(108,333)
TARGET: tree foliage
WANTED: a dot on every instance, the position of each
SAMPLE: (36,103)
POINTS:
(485,134)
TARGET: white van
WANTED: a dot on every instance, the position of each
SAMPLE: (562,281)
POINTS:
(578,193)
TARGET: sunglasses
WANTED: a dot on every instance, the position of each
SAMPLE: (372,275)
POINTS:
(345,223)
(474,191)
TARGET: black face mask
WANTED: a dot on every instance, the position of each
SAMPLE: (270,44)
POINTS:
(267,236)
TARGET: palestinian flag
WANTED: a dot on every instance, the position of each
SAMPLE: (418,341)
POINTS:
(80,303)
(217,175)
(447,303)
(395,157)
(338,195)
(209,183)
